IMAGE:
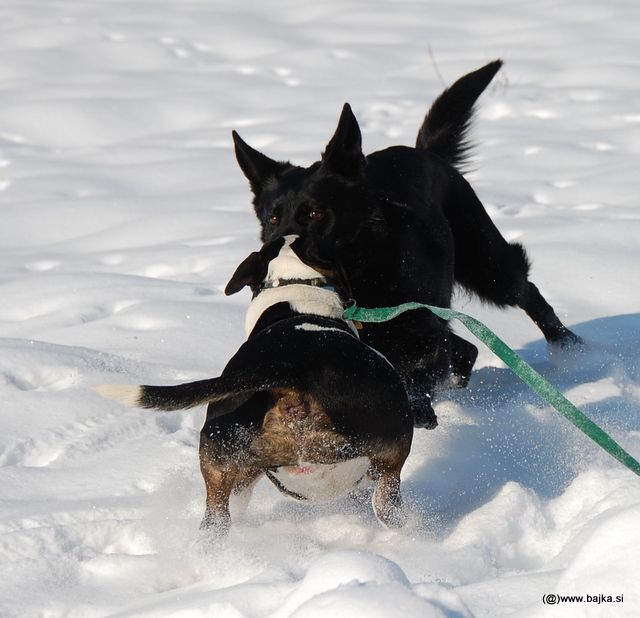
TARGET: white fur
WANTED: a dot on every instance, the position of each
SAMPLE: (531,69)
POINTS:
(323,481)
(287,265)
(317,328)
(302,298)
(124,393)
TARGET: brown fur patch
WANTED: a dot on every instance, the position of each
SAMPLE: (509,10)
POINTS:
(297,429)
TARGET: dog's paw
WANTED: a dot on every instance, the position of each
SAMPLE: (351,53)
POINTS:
(395,518)
(455,380)
(463,357)
(581,356)
(216,525)
(390,514)
(565,351)
(424,416)
(566,339)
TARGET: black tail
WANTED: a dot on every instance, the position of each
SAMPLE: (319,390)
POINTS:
(184,396)
(189,395)
(446,126)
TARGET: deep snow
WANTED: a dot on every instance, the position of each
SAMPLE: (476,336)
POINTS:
(123,215)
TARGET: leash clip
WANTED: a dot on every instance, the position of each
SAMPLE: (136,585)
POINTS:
(350,310)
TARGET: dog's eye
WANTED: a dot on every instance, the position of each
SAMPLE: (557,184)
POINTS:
(316,215)
(274,219)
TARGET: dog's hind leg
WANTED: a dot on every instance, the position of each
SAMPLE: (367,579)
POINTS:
(497,271)
(386,499)
(226,461)
(541,312)
(226,468)
(220,482)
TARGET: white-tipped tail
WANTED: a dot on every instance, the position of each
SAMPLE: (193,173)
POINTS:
(124,393)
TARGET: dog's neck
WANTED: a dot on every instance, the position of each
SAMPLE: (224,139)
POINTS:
(292,300)
(292,282)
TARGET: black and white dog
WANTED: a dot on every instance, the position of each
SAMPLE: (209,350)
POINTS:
(405,226)
(303,401)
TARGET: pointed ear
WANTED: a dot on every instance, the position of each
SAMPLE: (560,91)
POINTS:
(258,168)
(344,151)
(251,272)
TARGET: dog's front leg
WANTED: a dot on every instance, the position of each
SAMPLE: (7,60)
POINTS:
(420,385)
(463,357)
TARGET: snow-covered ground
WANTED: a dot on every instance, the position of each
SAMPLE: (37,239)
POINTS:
(123,214)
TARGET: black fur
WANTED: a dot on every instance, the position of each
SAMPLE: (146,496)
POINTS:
(302,390)
(445,129)
(405,225)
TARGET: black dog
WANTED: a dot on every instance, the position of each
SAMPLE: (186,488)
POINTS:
(405,225)
(303,400)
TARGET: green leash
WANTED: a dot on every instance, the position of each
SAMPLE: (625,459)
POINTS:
(522,369)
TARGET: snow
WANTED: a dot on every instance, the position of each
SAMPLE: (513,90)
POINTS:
(124,214)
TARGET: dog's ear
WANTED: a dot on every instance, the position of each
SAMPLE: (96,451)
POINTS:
(258,168)
(251,272)
(343,153)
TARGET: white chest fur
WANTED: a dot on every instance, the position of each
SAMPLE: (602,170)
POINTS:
(322,481)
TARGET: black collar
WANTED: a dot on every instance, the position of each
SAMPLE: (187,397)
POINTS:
(318,282)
